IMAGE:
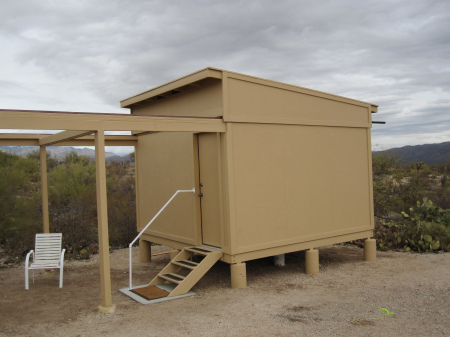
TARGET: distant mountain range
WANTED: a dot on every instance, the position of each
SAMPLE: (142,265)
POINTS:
(430,154)
(59,152)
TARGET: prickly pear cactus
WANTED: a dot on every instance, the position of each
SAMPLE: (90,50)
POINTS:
(425,228)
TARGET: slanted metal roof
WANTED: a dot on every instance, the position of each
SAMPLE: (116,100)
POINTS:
(210,75)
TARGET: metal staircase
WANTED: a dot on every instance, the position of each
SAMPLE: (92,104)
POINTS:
(183,272)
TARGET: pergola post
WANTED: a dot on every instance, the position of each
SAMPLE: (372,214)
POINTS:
(106,305)
(44,188)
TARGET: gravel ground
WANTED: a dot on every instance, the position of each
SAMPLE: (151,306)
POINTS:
(402,294)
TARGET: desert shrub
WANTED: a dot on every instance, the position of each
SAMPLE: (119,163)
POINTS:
(72,203)
(440,191)
(20,203)
(121,204)
(424,228)
(397,187)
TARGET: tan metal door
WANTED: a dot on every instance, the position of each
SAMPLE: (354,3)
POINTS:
(208,154)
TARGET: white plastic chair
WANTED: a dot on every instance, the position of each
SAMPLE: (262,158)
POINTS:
(47,255)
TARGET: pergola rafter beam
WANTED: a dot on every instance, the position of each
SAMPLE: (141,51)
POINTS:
(62,136)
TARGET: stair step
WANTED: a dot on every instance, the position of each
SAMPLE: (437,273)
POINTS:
(193,271)
(199,250)
(172,277)
(186,263)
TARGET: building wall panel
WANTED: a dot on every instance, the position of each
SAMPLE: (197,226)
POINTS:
(298,183)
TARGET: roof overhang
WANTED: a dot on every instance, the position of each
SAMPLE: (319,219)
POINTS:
(181,85)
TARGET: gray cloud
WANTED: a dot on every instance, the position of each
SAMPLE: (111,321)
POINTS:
(91,54)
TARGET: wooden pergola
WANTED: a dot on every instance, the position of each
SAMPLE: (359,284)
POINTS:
(88,129)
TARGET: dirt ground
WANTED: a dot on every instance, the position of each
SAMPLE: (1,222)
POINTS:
(402,294)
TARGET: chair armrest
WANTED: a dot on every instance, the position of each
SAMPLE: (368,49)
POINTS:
(27,260)
(61,261)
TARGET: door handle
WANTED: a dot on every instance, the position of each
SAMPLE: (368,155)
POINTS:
(200,194)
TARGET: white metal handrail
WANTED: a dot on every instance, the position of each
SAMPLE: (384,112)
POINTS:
(148,225)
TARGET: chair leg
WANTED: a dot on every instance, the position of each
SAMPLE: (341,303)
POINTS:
(61,277)
(26,279)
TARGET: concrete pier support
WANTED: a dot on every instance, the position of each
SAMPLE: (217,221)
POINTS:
(145,251)
(238,275)
(312,261)
(174,253)
(106,309)
(279,260)
(370,250)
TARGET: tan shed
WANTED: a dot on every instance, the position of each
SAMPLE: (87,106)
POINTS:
(291,171)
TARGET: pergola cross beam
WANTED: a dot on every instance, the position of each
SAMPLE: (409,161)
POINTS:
(39,120)
(25,139)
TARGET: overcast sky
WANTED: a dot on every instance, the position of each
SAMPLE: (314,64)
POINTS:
(87,55)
